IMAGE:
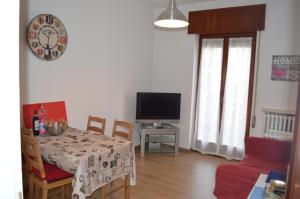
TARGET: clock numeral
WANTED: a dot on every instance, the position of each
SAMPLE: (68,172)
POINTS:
(34,44)
(60,47)
(32,35)
(40,51)
(41,20)
(63,40)
(47,53)
(35,26)
(49,19)
(55,53)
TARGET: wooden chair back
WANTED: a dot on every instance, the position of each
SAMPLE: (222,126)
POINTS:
(96,120)
(123,129)
(32,154)
(28,132)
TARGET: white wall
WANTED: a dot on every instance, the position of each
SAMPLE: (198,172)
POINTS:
(108,59)
(172,72)
(277,39)
(296,44)
(174,55)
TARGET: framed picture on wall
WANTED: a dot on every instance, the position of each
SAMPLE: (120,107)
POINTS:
(285,67)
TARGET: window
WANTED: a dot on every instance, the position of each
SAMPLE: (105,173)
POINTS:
(224,94)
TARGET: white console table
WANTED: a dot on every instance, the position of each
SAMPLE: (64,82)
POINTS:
(164,129)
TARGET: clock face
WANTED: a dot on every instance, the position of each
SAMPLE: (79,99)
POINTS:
(47,37)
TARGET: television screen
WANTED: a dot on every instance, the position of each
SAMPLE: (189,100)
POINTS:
(158,106)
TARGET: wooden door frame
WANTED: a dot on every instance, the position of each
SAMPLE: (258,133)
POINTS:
(293,190)
(224,71)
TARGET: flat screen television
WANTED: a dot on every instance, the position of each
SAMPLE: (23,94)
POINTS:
(158,106)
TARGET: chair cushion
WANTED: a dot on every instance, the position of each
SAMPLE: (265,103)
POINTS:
(53,173)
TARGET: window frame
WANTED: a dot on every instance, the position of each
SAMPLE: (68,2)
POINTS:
(226,38)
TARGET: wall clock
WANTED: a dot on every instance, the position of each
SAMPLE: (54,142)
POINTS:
(47,37)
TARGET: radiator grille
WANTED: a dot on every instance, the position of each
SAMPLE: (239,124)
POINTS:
(279,124)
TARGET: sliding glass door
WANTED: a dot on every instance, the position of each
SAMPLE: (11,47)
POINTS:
(222,113)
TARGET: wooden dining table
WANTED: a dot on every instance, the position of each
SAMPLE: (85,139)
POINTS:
(93,158)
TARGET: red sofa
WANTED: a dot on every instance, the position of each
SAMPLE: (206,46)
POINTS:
(235,181)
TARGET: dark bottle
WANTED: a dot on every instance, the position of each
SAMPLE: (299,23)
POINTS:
(35,124)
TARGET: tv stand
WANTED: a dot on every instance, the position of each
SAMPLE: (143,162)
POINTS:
(161,129)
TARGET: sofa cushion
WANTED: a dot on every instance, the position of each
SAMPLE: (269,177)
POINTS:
(263,165)
(235,181)
(269,149)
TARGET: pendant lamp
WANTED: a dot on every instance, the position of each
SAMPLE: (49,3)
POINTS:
(171,17)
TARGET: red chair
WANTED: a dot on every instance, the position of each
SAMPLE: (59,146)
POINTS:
(43,175)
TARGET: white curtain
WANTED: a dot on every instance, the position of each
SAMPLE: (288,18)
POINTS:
(234,115)
(208,99)
(209,137)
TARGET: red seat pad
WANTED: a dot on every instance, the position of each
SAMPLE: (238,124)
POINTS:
(53,173)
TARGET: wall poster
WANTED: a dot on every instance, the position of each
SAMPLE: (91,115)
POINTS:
(285,67)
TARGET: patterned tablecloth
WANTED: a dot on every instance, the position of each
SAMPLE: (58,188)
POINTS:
(94,159)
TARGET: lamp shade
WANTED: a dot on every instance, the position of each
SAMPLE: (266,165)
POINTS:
(171,17)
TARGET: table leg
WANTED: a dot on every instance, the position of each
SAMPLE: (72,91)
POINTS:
(177,142)
(102,192)
(37,192)
(30,186)
(147,137)
(62,192)
(44,193)
(142,144)
(127,187)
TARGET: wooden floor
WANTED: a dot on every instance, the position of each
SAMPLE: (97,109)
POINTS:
(189,175)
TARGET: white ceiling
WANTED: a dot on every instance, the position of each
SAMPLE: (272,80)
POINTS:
(164,3)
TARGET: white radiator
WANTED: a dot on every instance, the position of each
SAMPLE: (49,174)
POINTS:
(279,124)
